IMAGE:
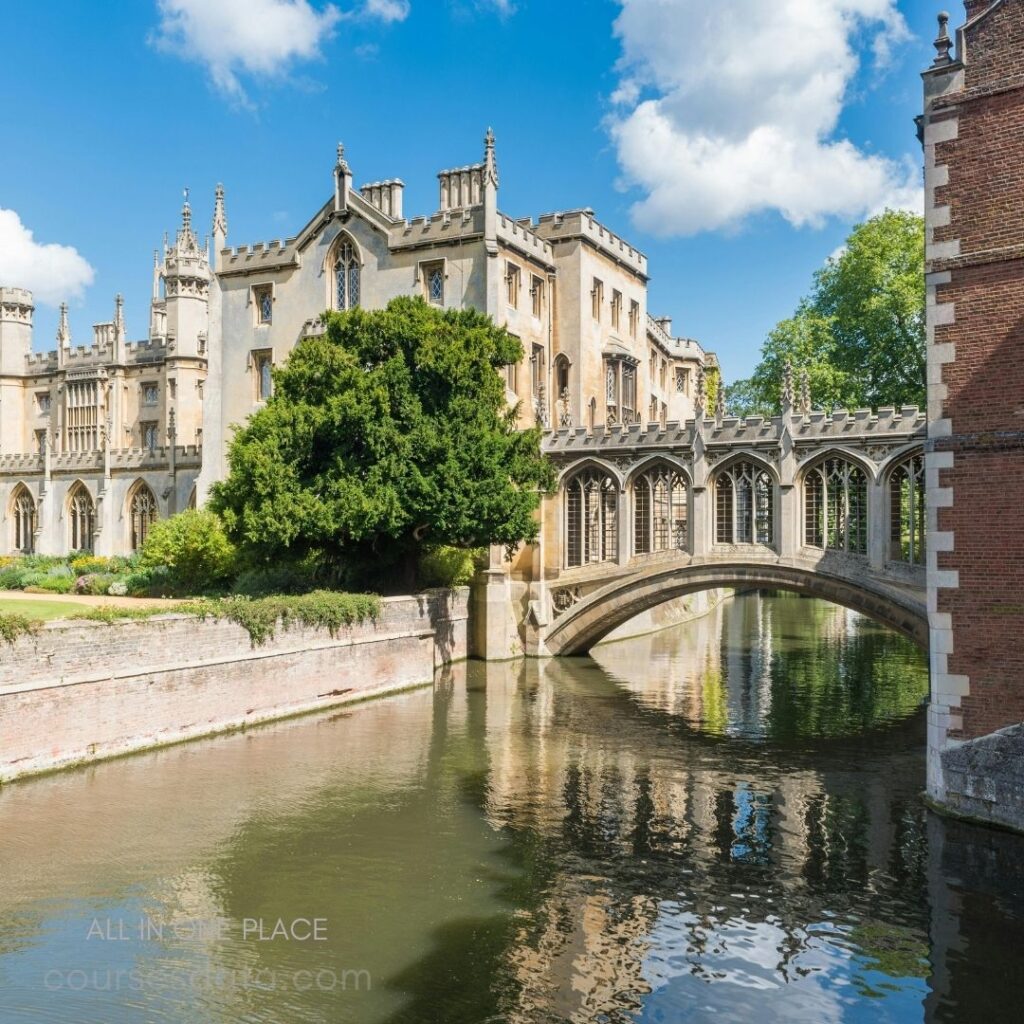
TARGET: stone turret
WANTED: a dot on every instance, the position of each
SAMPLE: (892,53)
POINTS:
(186,287)
(16,310)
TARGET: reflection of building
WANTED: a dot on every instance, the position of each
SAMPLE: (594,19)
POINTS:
(98,426)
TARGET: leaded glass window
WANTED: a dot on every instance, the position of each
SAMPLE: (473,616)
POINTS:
(591,518)
(265,301)
(907,512)
(346,277)
(24,513)
(660,510)
(436,286)
(142,515)
(744,505)
(836,507)
(82,516)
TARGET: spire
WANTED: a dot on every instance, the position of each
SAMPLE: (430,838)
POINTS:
(63,328)
(943,44)
(119,314)
(156,275)
(490,160)
(787,387)
(700,398)
(186,213)
(186,241)
(805,392)
(220,217)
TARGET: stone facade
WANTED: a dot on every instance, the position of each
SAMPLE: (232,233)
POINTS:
(94,428)
(972,130)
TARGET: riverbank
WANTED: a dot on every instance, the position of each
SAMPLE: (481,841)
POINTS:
(78,692)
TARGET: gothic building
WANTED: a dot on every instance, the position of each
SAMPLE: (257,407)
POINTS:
(96,443)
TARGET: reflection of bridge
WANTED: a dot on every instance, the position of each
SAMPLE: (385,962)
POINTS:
(830,505)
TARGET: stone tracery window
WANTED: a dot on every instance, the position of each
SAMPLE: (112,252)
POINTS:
(82,519)
(23,512)
(591,518)
(142,514)
(346,275)
(744,505)
(836,506)
(660,510)
(907,511)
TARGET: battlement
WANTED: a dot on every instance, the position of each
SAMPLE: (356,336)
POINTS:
(448,226)
(261,255)
(520,233)
(841,427)
(559,227)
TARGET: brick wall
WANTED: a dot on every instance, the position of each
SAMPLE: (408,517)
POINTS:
(974,175)
(82,691)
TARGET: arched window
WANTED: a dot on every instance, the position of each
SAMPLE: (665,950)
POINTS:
(906,512)
(142,513)
(346,274)
(591,518)
(82,514)
(744,505)
(660,510)
(23,512)
(836,506)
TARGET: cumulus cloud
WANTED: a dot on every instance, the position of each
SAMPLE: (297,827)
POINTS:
(727,110)
(247,37)
(52,272)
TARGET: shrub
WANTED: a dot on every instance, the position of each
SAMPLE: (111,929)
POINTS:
(275,579)
(84,565)
(445,566)
(93,583)
(60,570)
(194,549)
(119,588)
(53,585)
(146,582)
(13,625)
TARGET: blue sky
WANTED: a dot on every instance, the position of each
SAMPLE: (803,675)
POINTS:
(734,142)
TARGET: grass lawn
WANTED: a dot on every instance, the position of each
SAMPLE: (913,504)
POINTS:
(46,610)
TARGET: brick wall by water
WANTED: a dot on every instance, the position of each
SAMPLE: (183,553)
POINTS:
(82,691)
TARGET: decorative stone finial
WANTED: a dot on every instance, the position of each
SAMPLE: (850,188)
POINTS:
(63,328)
(220,217)
(119,315)
(943,44)
(490,160)
(787,387)
(720,402)
(805,392)
(342,164)
(186,213)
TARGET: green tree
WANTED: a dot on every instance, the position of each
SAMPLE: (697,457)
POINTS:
(860,334)
(384,435)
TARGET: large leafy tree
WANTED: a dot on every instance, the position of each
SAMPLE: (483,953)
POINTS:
(860,334)
(387,433)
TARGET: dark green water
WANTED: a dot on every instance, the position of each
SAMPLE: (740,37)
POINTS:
(719,822)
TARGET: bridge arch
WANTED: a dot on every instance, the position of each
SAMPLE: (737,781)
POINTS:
(593,617)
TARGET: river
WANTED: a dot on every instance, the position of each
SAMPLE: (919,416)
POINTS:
(718,822)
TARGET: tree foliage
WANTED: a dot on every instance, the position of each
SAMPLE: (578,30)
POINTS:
(860,334)
(387,433)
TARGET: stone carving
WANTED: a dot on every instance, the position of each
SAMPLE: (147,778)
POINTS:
(564,598)
(564,409)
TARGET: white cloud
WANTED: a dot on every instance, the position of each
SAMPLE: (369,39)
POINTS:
(387,10)
(52,272)
(254,37)
(728,110)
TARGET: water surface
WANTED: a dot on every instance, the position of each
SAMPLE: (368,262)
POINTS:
(719,822)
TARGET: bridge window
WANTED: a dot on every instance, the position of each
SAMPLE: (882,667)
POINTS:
(660,511)
(23,509)
(591,519)
(744,505)
(906,512)
(836,507)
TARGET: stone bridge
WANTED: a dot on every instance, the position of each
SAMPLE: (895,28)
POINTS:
(826,504)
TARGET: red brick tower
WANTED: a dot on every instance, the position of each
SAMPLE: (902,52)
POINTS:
(973,135)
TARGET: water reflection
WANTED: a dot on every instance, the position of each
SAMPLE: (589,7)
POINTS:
(716,822)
